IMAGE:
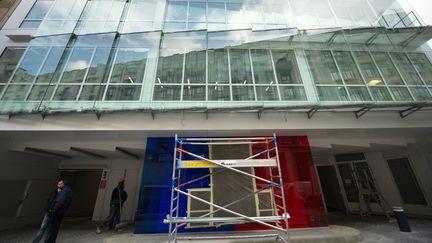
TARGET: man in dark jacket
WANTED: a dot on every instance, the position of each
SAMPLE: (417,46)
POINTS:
(58,202)
(118,197)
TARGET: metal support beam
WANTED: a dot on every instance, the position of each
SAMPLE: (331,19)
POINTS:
(122,150)
(410,39)
(259,113)
(153,114)
(43,115)
(361,112)
(98,114)
(311,112)
(41,151)
(87,152)
(372,38)
(409,111)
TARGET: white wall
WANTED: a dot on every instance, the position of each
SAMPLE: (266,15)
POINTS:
(116,168)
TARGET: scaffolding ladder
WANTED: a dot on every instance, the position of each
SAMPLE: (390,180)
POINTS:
(367,191)
(278,221)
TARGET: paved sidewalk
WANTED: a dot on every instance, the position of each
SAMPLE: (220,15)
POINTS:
(372,229)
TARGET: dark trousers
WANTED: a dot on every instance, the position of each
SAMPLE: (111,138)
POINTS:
(113,217)
(53,228)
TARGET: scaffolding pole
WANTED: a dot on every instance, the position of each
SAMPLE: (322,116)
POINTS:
(277,221)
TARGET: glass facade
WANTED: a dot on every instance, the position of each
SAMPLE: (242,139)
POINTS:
(150,54)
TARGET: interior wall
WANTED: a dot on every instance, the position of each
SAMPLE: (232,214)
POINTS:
(34,176)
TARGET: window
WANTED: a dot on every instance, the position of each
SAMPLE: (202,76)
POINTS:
(8,62)
(36,14)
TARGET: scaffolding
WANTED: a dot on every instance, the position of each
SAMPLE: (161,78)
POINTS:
(267,158)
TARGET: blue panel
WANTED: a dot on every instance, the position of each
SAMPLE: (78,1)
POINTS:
(155,191)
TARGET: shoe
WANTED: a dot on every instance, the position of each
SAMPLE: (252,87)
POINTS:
(98,230)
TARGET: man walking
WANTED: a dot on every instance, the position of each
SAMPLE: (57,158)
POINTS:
(118,197)
(58,202)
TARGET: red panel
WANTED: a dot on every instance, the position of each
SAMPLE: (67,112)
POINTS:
(301,188)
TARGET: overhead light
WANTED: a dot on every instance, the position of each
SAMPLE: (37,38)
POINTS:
(188,87)
(271,82)
(158,79)
(374,82)
(188,81)
(216,86)
(130,79)
(245,82)
(267,88)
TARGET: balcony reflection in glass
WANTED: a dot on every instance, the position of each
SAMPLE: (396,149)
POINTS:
(77,65)
(29,67)
(423,66)
(16,92)
(267,93)
(166,92)
(380,93)
(129,65)
(66,92)
(240,67)
(218,66)
(8,61)
(243,93)
(123,92)
(170,69)
(387,68)
(406,68)
(368,68)
(332,93)
(400,93)
(347,67)
(322,67)
(219,93)
(195,67)
(98,66)
(420,93)
(41,92)
(194,92)
(292,93)
(262,67)
(48,69)
(358,93)
(286,67)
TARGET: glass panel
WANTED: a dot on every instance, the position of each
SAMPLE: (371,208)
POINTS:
(195,67)
(91,92)
(322,67)
(234,13)
(292,93)
(77,65)
(359,94)
(267,93)
(387,68)
(218,66)
(1,88)
(125,92)
(98,65)
(420,93)
(423,66)
(140,17)
(169,26)
(40,92)
(66,92)
(241,93)
(216,12)
(177,11)
(16,92)
(286,67)
(100,16)
(170,69)
(8,61)
(129,65)
(407,70)
(194,92)
(380,93)
(240,67)
(167,92)
(368,68)
(400,93)
(219,92)
(262,67)
(36,14)
(347,67)
(332,93)
(197,12)
(29,66)
(49,67)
